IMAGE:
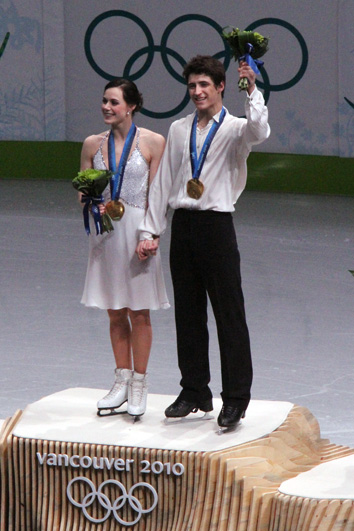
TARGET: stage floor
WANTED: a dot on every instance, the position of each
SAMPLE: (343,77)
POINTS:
(54,418)
(296,253)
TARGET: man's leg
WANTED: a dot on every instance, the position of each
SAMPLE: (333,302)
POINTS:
(220,266)
(190,311)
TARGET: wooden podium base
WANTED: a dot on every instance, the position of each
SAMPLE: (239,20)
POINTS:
(149,475)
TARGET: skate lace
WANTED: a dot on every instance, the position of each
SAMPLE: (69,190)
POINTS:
(117,386)
(137,392)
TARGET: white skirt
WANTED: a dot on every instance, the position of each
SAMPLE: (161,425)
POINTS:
(115,277)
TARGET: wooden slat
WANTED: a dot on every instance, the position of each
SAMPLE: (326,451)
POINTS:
(232,489)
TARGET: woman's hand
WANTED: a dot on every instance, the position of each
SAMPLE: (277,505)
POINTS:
(147,248)
(102,208)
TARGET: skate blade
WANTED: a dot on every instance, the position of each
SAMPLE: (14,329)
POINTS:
(187,420)
(222,431)
(110,412)
(135,418)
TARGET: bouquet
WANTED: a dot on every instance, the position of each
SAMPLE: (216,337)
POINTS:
(246,46)
(91,184)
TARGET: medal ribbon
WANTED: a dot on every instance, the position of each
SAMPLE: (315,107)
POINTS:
(118,174)
(198,162)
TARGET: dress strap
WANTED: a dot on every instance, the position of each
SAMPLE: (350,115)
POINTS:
(105,136)
(137,137)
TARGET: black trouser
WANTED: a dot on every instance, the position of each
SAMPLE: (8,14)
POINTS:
(204,259)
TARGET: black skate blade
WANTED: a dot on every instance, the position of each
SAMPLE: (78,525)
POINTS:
(187,419)
(111,412)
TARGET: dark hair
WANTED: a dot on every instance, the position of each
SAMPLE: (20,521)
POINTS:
(207,65)
(130,91)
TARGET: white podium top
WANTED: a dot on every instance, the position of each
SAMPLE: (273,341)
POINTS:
(70,416)
(332,480)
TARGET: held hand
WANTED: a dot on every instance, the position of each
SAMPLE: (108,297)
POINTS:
(147,248)
(245,70)
(102,208)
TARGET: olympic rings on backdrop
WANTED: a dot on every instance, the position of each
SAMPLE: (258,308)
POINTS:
(117,504)
(186,18)
(350,103)
(118,13)
(268,87)
(167,52)
(150,50)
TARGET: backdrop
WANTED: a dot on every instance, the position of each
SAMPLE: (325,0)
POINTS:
(56,57)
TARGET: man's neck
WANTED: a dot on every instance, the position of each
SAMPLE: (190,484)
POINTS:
(204,117)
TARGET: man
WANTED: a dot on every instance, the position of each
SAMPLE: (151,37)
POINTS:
(201,175)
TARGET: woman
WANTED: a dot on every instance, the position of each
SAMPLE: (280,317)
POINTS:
(116,280)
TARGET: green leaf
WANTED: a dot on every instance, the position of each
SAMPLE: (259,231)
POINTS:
(237,40)
(91,182)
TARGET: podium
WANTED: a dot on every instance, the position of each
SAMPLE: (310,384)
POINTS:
(64,468)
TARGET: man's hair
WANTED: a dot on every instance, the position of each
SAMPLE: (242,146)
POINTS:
(131,94)
(207,65)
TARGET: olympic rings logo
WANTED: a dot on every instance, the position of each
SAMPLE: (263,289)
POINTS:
(166,52)
(105,502)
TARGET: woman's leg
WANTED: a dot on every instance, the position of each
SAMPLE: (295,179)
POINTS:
(121,337)
(141,339)
(120,332)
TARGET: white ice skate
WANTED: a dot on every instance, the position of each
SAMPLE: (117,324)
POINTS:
(117,396)
(137,395)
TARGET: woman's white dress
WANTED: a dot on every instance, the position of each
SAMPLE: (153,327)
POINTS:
(115,277)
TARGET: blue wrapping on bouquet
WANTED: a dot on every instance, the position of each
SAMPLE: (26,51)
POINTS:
(93,202)
(253,63)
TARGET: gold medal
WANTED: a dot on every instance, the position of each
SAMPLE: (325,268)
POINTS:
(115,210)
(195,188)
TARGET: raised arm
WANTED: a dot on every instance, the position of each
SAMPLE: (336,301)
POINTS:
(257,128)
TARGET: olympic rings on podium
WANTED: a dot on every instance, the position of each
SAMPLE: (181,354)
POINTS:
(106,503)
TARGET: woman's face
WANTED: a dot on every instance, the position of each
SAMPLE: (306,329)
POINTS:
(114,108)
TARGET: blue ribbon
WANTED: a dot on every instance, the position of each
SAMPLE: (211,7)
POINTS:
(198,162)
(94,201)
(253,63)
(118,174)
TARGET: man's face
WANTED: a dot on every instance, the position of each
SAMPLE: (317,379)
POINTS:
(203,92)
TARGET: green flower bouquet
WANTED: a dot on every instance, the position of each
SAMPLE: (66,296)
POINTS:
(246,46)
(91,184)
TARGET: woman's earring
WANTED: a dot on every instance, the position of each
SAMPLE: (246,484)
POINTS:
(128,112)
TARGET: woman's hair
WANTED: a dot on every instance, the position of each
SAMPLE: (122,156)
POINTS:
(207,65)
(130,91)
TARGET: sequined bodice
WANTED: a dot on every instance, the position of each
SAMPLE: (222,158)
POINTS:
(136,176)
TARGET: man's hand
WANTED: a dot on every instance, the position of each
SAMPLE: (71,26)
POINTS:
(147,248)
(246,71)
